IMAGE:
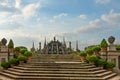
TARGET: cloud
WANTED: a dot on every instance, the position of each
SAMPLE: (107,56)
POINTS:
(7,9)
(3,2)
(112,18)
(82,16)
(30,10)
(92,26)
(57,17)
(102,1)
(18,4)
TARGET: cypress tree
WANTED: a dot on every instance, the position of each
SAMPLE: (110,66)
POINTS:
(11,44)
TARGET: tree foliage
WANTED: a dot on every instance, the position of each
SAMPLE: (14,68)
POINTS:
(103,43)
(118,47)
(11,44)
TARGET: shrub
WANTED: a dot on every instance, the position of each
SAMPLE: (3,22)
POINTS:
(23,51)
(5,65)
(83,54)
(21,58)
(96,48)
(103,43)
(118,47)
(28,53)
(92,58)
(100,62)
(13,61)
(110,65)
(89,51)
(10,44)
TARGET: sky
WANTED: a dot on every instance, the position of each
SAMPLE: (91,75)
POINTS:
(88,21)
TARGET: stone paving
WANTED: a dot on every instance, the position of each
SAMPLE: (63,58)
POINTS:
(114,78)
(4,78)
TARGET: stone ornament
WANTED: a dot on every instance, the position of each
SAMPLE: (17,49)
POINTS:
(111,39)
(4,41)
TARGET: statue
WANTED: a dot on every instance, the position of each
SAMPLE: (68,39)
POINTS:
(111,39)
(4,41)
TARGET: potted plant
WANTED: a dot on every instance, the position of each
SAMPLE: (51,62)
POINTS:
(28,54)
(103,45)
(96,50)
(109,66)
(22,50)
(13,62)
(89,52)
(5,65)
(100,63)
(21,59)
(92,59)
(11,46)
(83,56)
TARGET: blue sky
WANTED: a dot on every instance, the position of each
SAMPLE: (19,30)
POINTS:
(88,21)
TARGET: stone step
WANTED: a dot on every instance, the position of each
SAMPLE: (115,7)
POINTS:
(11,76)
(56,57)
(60,72)
(55,78)
(52,60)
(110,76)
(48,69)
(66,67)
(59,63)
(56,69)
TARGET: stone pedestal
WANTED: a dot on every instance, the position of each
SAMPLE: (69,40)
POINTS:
(111,47)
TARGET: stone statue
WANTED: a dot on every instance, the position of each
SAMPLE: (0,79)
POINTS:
(4,41)
(111,39)
(111,47)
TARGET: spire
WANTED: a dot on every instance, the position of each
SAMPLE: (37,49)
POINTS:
(45,43)
(54,38)
(70,44)
(39,46)
(77,45)
(33,47)
(64,43)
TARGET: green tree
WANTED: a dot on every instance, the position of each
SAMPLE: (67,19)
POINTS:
(118,46)
(103,43)
(11,44)
(20,47)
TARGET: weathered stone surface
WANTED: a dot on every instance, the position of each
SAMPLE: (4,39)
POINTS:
(57,70)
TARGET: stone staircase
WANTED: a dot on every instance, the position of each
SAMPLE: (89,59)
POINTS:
(57,67)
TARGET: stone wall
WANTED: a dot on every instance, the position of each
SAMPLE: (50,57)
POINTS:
(112,56)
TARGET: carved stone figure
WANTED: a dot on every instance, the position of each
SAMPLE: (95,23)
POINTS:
(4,41)
(111,39)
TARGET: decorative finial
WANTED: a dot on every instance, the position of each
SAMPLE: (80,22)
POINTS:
(4,41)
(111,39)
(54,39)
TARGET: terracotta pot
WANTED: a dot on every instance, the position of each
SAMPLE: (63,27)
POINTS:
(92,63)
(29,58)
(12,65)
(110,69)
(103,49)
(89,54)
(83,58)
(101,66)
(11,50)
(4,68)
(21,62)
(96,52)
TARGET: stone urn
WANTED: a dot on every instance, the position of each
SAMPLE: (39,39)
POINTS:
(4,41)
(111,39)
